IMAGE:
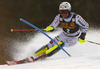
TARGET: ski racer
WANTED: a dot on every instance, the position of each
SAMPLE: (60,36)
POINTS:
(74,30)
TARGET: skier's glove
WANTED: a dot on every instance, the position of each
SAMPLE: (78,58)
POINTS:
(82,38)
(49,28)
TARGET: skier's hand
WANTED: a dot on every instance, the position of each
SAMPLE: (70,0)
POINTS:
(49,28)
(82,38)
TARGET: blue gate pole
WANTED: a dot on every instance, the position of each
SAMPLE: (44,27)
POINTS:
(44,34)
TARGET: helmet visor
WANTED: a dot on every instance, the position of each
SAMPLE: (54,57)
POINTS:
(63,11)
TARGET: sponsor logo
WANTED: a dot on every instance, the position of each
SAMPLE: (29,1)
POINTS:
(68,26)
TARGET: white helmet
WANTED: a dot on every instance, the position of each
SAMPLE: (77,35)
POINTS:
(65,6)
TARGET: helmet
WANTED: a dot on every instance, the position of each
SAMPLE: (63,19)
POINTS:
(65,6)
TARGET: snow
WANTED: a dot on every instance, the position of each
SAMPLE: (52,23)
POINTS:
(84,56)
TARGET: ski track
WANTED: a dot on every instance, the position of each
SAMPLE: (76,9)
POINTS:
(84,56)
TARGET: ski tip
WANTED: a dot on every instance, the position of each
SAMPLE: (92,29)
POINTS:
(11,63)
(8,63)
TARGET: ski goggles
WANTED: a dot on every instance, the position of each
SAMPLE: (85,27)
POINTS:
(64,11)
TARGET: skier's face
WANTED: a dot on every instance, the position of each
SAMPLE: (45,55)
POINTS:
(64,13)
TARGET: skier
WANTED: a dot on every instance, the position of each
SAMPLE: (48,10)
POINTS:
(74,30)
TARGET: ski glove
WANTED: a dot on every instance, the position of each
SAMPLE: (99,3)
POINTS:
(49,28)
(82,37)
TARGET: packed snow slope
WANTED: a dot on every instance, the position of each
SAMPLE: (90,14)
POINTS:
(84,56)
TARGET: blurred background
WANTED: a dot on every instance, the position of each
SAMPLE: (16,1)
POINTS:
(40,13)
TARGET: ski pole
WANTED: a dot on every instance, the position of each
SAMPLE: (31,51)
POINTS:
(44,34)
(92,42)
(23,30)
